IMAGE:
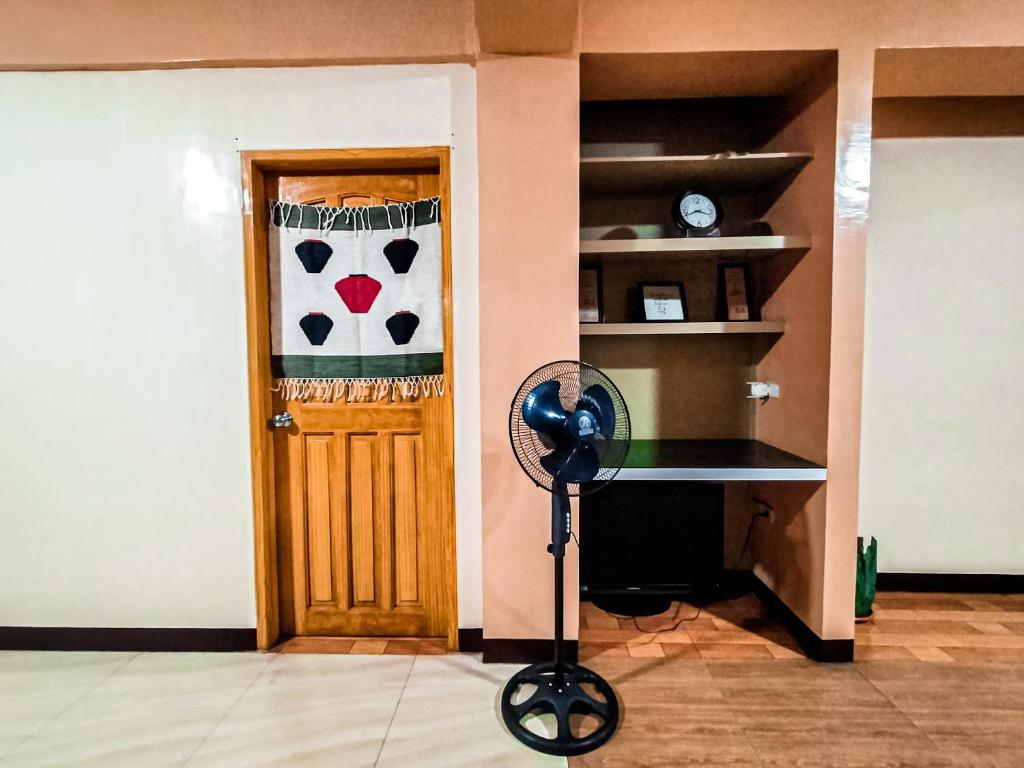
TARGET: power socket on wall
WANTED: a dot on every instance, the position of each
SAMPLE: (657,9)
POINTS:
(763,391)
(766,510)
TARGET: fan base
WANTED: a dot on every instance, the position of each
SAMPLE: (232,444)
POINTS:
(559,692)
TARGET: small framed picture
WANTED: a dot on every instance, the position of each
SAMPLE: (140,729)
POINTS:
(735,292)
(590,295)
(664,302)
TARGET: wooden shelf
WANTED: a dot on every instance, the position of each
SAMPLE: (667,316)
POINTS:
(693,247)
(680,329)
(720,460)
(725,172)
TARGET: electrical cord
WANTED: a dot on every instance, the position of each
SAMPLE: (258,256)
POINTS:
(746,540)
(673,628)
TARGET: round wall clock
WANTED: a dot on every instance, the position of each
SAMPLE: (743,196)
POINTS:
(696,213)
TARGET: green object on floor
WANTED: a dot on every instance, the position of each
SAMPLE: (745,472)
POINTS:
(867,576)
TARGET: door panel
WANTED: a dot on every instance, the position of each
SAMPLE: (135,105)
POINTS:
(364,503)
(364,489)
(408,452)
(318,513)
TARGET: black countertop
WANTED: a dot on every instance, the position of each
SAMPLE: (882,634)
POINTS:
(715,460)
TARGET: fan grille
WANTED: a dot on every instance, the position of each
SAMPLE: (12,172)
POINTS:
(574,377)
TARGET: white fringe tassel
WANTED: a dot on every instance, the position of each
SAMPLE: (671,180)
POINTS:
(333,390)
(358,217)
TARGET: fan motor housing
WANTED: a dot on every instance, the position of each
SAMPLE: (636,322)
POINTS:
(582,425)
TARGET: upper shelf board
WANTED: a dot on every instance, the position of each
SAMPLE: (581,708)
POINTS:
(720,173)
(750,247)
(681,329)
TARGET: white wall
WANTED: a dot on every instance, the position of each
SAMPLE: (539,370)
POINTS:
(942,479)
(124,460)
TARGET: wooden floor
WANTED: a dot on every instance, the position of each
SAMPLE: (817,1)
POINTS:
(938,681)
(365,646)
(907,626)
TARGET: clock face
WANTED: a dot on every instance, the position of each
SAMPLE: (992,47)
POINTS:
(697,211)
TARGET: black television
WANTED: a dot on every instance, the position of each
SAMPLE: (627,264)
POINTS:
(646,543)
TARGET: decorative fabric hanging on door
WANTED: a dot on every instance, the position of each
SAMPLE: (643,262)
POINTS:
(356,300)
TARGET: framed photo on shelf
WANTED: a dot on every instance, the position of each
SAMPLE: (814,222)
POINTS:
(663,302)
(735,292)
(590,295)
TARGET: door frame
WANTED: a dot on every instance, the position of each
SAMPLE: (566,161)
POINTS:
(256,166)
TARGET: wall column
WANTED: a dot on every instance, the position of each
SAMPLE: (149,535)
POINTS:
(853,167)
(528,133)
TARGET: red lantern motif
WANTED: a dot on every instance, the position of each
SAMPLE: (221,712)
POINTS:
(358,292)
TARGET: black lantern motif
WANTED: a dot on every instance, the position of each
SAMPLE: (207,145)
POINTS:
(400,254)
(313,254)
(316,326)
(402,325)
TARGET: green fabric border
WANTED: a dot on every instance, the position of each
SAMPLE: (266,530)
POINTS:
(426,212)
(355,366)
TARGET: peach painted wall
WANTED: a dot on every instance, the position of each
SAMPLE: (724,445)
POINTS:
(855,30)
(115,34)
(790,557)
(527,115)
(528,139)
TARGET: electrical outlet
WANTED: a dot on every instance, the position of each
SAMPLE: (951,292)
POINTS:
(761,390)
(765,510)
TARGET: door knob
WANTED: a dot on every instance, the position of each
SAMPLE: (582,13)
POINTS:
(281,420)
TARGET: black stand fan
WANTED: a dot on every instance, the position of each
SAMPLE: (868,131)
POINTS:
(569,428)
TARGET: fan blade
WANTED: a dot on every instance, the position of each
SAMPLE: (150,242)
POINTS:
(543,411)
(576,464)
(599,402)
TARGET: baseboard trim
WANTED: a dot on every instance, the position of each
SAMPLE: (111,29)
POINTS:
(125,639)
(831,651)
(471,640)
(525,651)
(952,582)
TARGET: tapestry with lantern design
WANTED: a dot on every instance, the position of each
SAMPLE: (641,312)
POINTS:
(356,300)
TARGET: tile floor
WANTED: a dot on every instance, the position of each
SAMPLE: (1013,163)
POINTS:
(141,710)
(247,709)
(938,681)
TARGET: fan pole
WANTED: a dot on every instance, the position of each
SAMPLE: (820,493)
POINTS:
(561,526)
(559,613)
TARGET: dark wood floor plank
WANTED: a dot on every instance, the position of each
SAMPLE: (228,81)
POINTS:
(800,713)
(974,712)
(673,715)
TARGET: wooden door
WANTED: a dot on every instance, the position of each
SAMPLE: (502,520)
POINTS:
(364,489)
